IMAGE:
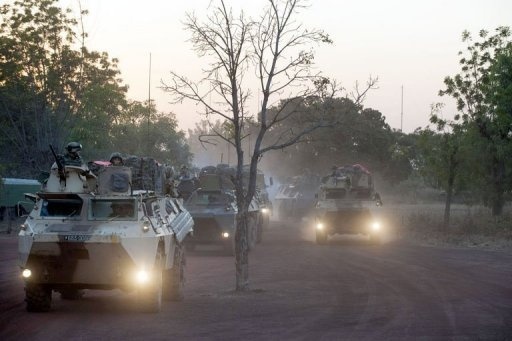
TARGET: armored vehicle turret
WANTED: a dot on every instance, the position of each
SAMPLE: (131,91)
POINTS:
(103,232)
(348,204)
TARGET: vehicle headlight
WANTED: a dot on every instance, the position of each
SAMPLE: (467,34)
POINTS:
(264,210)
(145,226)
(26,273)
(319,226)
(376,226)
(225,235)
(142,277)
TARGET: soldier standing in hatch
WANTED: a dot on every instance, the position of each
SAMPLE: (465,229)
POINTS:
(116,159)
(72,156)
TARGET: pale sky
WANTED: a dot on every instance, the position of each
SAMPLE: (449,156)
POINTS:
(405,43)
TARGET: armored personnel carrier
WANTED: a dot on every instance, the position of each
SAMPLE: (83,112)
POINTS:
(262,198)
(213,208)
(296,197)
(103,232)
(348,204)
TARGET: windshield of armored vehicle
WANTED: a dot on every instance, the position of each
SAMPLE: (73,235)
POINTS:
(208,199)
(112,209)
(337,193)
(61,207)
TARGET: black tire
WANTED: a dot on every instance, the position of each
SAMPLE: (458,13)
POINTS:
(259,233)
(149,299)
(321,238)
(229,247)
(252,233)
(71,294)
(174,279)
(38,298)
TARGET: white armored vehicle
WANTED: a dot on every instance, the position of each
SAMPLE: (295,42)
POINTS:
(348,204)
(98,232)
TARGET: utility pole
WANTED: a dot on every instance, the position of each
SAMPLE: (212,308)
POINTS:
(402,110)
(149,106)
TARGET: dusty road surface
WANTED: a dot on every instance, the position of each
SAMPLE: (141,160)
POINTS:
(348,289)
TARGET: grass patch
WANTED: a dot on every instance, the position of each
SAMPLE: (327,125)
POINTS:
(469,227)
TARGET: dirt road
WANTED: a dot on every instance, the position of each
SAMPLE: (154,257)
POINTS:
(348,290)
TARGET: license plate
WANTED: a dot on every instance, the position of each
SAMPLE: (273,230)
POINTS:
(76,238)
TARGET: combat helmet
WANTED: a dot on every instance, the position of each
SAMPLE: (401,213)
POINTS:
(116,159)
(73,147)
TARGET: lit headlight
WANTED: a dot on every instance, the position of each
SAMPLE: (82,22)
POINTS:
(376,226)
(145,226)
(225,235)
(264,210)
(319,226)
(142,277)
(26,273)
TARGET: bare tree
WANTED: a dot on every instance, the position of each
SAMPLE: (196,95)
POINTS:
(279,49)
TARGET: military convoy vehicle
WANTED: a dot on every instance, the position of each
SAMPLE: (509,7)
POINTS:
(348,204)
(296,196)
(109,230)
(262,197)
(213,208)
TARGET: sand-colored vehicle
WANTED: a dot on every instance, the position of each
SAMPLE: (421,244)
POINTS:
(99,232)
(348,204)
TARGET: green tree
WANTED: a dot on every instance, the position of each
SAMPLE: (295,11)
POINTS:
(483,91)
(442,156)
(52,89)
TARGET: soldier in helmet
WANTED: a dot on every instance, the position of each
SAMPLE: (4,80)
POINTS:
(72,156)
(116,159)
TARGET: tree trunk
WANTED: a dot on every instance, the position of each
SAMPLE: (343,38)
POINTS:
(498,171)
(241,250)
(449,193)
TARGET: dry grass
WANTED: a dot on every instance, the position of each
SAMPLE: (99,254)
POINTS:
(469,226)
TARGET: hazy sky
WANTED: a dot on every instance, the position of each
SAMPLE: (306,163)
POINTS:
(405,43)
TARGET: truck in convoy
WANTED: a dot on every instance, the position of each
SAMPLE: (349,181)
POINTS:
(12,199)
(111,229)
(347,203)
(296,196)
(214,210)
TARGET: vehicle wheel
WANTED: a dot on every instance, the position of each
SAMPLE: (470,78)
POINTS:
(252,233)
(321,237)
(229,247)
(259,232)
(71,294)
(150,298)
(38,298)
(174,279)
